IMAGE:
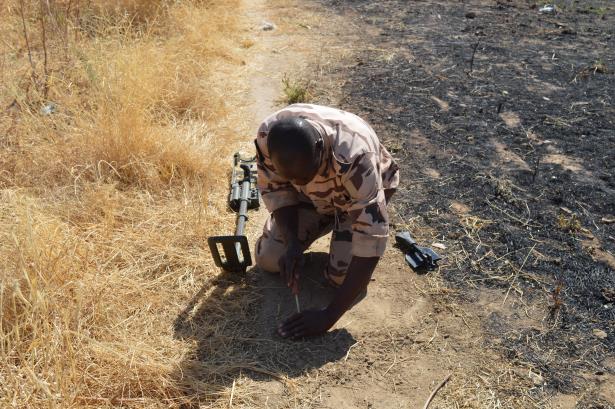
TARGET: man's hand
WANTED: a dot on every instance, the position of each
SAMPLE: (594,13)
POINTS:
(316,322)
(307,323)
(291,264)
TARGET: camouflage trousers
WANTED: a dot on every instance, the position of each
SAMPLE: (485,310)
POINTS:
(271,246)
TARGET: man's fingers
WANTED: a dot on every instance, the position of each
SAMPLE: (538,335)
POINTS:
(298,332)
(287,268)
(295,331)
(292,273)
(293,319)
(293,266)
(295,273)
(287,328)
(290,325)
(289,331)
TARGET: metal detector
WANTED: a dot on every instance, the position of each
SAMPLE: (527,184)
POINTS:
(232,253)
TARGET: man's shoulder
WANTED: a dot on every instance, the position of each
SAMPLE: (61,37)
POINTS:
(354,139)
(351,149)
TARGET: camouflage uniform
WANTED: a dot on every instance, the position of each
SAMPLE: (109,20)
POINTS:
(346,196)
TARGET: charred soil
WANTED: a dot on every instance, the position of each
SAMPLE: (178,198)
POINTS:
(502,120)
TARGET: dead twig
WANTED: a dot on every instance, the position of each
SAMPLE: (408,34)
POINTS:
(520,270)
(433,393)
(45,58)
(435,331)
(395,362)
(230,403)
(510,216)
(473,54)
(348,352)
(25,34)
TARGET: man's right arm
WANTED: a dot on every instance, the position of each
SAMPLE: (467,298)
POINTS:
(282,200)
(287,221)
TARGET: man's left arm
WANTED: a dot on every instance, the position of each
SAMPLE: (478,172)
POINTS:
(369,236)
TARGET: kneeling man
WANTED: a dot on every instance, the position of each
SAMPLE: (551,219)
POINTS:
(322,169)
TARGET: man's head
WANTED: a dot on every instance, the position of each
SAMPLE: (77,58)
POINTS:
(295,148)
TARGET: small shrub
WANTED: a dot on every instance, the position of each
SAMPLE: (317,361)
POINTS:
(568,223)
(295,91)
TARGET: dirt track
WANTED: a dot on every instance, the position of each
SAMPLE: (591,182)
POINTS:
(502,121)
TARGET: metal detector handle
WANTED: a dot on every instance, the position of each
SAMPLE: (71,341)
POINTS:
(242,217)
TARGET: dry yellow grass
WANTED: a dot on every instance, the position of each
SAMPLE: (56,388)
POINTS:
(106,202)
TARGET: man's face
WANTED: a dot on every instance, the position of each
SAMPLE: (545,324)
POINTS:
(299,168)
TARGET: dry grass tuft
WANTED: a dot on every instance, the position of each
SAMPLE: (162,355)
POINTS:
(295,91)
(569,223)
(114,115)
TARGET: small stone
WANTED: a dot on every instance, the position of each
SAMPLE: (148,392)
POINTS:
(470,15)
(537,379)
(267,26)
(454,235)
(547,9)
(49,108)
(608,294)
(566,210)
(439,246)
(600,333)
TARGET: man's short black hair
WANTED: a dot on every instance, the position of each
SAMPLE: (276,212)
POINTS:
(292,135)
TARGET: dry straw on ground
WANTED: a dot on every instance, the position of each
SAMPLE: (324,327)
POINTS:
(114,115)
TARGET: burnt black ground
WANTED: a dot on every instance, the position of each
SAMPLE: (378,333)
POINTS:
(555,73)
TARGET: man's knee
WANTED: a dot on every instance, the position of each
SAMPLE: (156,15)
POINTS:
(268,253)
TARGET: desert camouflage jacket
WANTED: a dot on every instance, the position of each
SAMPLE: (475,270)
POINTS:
(351,181)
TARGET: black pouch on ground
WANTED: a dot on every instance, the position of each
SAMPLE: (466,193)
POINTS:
(421,259)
